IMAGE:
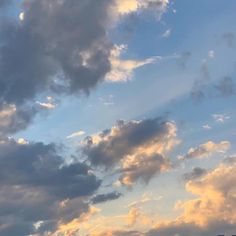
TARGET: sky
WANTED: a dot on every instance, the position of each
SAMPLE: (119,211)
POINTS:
(117,118)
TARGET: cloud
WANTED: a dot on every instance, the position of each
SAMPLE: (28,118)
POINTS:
(220,118)
(211,54)
(57,45)
(46,105)
(76,134)
(142,168)
(13,119)
(230,159)
(167,33)
(35,178)
(195,173)
(212,212)
(226,87)
(73,227)
(144,199)
(122,70)
(206,126)
(183,59)
(63,47)
(101,198)
(137,148)
(206,150)
(130,6)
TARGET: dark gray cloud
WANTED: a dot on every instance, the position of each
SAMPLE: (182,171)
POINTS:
(136,149)
(37,185)
(106,197)
(13,119)
(59,47)
(195,173)
(123,139)
(224,87)
(66,38)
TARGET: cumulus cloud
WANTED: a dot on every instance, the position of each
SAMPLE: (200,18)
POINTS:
(211,213)
(62,47)
(38,186)
(137,148)
(206,150)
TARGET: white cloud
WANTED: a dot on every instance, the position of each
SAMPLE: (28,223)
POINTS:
(220,118)
(206,126)
(46,105)
(167,33)
(122,70)
(76,134)
(211,54)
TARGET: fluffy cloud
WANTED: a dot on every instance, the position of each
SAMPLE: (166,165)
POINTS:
(137,148)
(38,186)
(211,213)
(62,47)
(207,149)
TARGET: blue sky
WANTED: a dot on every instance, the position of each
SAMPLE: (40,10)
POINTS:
(126,101)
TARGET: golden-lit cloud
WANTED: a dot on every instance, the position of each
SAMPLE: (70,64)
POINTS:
(211,211)
(121,69)
(73,227)
(137,149)
(129,6)
(206,150)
